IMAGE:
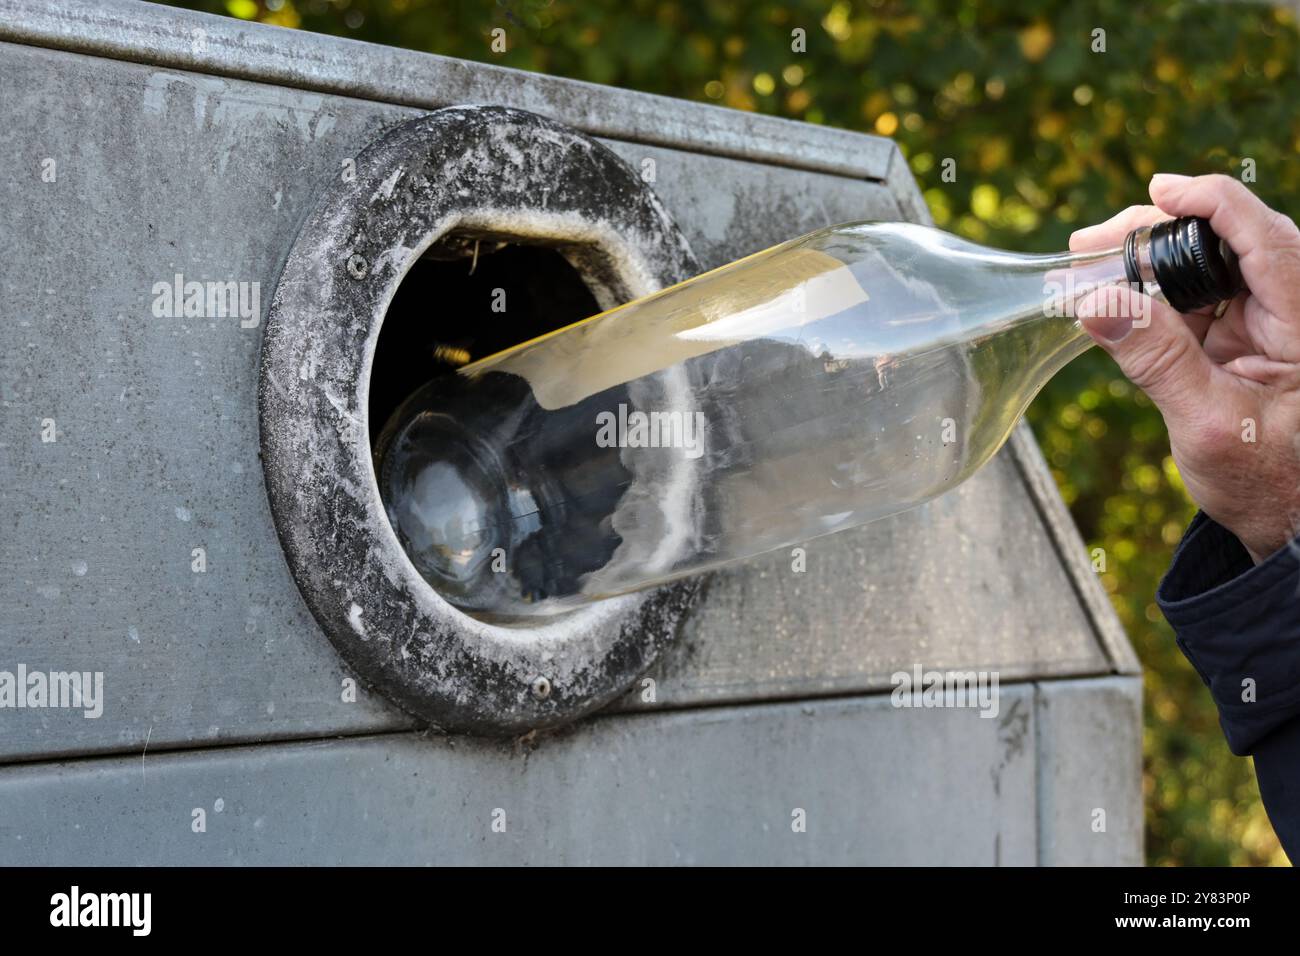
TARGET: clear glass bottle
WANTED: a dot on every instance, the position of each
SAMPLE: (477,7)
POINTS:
(831,380)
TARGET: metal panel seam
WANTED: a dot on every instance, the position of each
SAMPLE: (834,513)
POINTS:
(214,45)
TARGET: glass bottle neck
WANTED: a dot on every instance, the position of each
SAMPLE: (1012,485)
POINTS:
(1049,289)
(1070,277)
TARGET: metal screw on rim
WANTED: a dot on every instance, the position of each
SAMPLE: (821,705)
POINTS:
(357,266)
(541,688)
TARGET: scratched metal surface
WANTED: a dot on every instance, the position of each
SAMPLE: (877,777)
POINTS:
(1045,781)
(708,786)
(220,46)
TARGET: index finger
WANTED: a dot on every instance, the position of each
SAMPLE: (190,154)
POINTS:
(1266,242)
(1111,233)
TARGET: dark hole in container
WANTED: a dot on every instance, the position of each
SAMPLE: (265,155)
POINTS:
(442,314)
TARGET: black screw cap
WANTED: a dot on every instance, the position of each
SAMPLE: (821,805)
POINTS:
(1192,265)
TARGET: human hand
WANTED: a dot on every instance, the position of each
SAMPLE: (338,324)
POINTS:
(1212,378)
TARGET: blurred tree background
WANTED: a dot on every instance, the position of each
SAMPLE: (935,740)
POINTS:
(1049,133)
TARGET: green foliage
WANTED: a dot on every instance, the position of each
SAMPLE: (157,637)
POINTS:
(1047,134)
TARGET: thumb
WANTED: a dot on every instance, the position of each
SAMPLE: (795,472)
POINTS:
(1152,345)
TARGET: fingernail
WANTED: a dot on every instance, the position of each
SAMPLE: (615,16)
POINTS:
(1168,179)
(1112,328)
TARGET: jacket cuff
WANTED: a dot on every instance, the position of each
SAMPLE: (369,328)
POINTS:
(1239,625)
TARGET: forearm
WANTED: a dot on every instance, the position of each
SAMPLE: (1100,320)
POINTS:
(1238,623)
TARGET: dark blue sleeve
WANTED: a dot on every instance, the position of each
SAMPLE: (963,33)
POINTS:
(1239,625)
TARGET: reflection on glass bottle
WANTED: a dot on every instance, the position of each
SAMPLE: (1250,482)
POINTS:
(826,382)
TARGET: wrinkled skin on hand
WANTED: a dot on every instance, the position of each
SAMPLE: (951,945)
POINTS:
(1211,378)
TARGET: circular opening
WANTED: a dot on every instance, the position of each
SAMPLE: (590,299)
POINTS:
(321,385)
(454,307)
(469,297)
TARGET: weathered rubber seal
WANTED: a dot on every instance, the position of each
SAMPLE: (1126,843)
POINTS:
(470,170)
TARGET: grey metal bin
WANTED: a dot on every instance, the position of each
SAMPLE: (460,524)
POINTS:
(137,538)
